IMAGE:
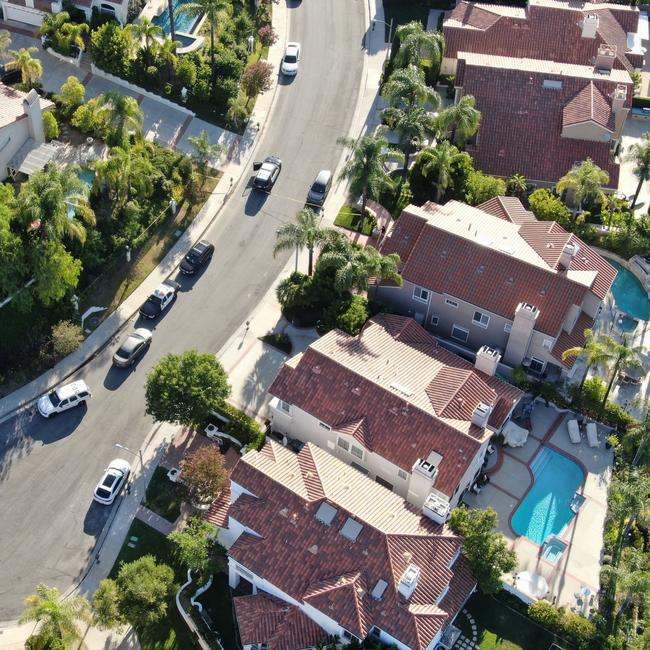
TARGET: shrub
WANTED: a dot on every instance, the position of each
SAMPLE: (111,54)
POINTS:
(348,314)
(482,187)
(71,96)
(267,35)
(545,614)
(256,78)
(278,340)
(50,126)
(186,72)
(203,474)
(87,119)
(109,46)
(577,629)
(245,429)
(66,338)
(548,207)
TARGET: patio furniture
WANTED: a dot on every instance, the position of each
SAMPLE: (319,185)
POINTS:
(592,434)
(574,431)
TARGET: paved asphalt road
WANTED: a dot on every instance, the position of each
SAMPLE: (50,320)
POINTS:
(48,468)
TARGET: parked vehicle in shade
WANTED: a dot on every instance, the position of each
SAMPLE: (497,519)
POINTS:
(267,173)
(10,73)
(290,59)
(160,299)
(320,188)
(200,254)
(132,348)
(64,398)
(115,476)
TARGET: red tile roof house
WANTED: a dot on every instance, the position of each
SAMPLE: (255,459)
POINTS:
(31,12)
(553,75)
(397,406)
(493,275)
(327,552)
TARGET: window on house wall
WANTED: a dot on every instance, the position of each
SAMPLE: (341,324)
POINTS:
(384,482)
(285,406)
(402,474)
(322,425)
(451,303)
(357,451)
(481,319)
(343,444)
(547,343)
(507,328)
(459,333)
(421,294)
(434,320)
(537,365)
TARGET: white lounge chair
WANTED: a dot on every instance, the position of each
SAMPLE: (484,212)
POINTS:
(574,431)
(592,434)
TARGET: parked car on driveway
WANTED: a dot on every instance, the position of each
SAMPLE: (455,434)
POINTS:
(132,348)
(320,188)
(267,173)
(64,398)
(200,254)
(160,299)
(290,59)
(115,475)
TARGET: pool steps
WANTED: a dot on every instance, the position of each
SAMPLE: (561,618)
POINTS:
(540,461)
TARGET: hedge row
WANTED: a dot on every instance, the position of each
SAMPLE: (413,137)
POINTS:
(245,429)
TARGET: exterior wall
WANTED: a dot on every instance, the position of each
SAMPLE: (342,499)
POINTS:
(591,304)
(28,15)
(448,66)
(12,138)
(587,131)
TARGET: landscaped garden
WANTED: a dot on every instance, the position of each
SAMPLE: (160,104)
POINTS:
(163,496)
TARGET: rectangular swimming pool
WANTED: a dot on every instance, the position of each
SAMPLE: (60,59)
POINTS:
(545,509)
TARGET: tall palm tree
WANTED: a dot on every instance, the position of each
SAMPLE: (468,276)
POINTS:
(73,34)
(304,232)
(585,181)
(595,353)
(122,116)
(146,33)
(31,69)
(624,356)
(413,124)
(167,54)
(54,203)
(58,618)
(406,87)
(438,162)
(416,43)
(365,165)
(214,11)
(462,119)
(127,172)
(639,154)
(353,266)
(5,41)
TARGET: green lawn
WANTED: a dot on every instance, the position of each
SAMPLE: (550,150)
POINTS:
(172,632)
(501,628)
(218,603)
(350,218)
(163,496)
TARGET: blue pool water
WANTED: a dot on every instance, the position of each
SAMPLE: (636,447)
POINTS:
(87,176)
(545,509)
(629,294)
(182,22)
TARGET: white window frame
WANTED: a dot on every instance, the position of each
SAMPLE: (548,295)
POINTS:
(462,329)
(402,474)
(547,344)
(434,320)
(322,425)
(343,444)
(358,453)
(479,322)
(535,359)
(451,303)
(285,407)
(417,294)
(507,328)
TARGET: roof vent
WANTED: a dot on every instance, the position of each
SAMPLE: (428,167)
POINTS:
(284,512)
(401,388)
(378,589)
(316,370)
(409,581)
(481,414)
(326,513)
(351,529)
(436,508)
(510,280)
(590,26)
(313,549)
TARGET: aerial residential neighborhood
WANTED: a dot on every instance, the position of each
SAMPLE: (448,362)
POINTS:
(324,325)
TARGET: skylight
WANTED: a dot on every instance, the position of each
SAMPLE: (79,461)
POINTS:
(351,529)
(326,513)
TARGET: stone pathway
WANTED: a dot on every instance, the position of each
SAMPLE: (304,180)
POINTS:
(155,521)
(463,642)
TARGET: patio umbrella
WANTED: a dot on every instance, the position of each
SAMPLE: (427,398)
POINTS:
(533,584)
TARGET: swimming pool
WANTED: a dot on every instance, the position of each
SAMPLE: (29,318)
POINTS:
(545,509)
(629,294)
(182,22)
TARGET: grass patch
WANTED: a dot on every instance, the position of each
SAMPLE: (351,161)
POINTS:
(171,633)
(350,219)
(501,628)
(163,496)
(278,340)
(218,602)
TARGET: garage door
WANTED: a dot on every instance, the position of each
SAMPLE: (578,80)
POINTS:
(22,14)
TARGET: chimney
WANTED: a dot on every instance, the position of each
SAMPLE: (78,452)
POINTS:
(423,477)
(520,334)
(481,415)
(32,108)
(618,98)
(569,252)
(409,581)
(589,26)
(436,507)
(605,58)
(487,360)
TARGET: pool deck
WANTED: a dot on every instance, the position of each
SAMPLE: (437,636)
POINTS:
(580,564)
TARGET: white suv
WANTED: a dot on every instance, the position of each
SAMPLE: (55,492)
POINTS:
(64,398)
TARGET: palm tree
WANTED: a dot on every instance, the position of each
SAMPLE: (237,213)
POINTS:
(413,124)
(304,232)
(54,203)
(517,186)
(585,180)
(365,165)
(634,583)
(438,161)
(406,87)
(5,41)
(353,265)
(146,31)
(127,172)
(73,34)
(213,10)
(57,617)
(52,24)
(639,154)
(205,151)
(462,119)
(416,43)
(31,69)
(122,116)
(595,353)
(624,356)
(167,54)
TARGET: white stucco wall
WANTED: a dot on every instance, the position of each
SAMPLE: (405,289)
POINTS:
(12,138)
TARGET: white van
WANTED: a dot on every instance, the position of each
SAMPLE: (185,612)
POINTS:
(64,398)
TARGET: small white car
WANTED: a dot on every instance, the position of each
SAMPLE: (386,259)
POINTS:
(64,398)
(114,478)
(290,60)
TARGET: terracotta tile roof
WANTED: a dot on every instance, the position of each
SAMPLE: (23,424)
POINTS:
(508,208)
(392,383)
(589,105)
(11,105)
(573,340)
(312,562)
(217,513)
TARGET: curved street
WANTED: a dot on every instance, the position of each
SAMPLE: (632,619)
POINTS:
(48,468)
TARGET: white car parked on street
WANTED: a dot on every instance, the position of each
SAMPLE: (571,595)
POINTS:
(111,483)
(290,60)
(64,398)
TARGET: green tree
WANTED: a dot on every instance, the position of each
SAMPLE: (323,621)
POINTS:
(146,32)
(106,606)
(584,181)
(128,173)
(204,475)
(57,618)
(639,154)
(485,549)
(304,232)
(12,251)
(625,356)
(365,167)
(5,41)
(482,187)
(416,43)
(194,546)
(595,352)
(185,388)
(110,46)
(71,95)
(406,88)
(52,24)
(256,79)
(294,292)
(54,269)
(166,54)
(437,164)
(205,151)
(413,124)
(50,126)
(73,34)
(462,120)
(348,314)
(122,117)
(548,207)
(31,69)
(66,338)
(517,186)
